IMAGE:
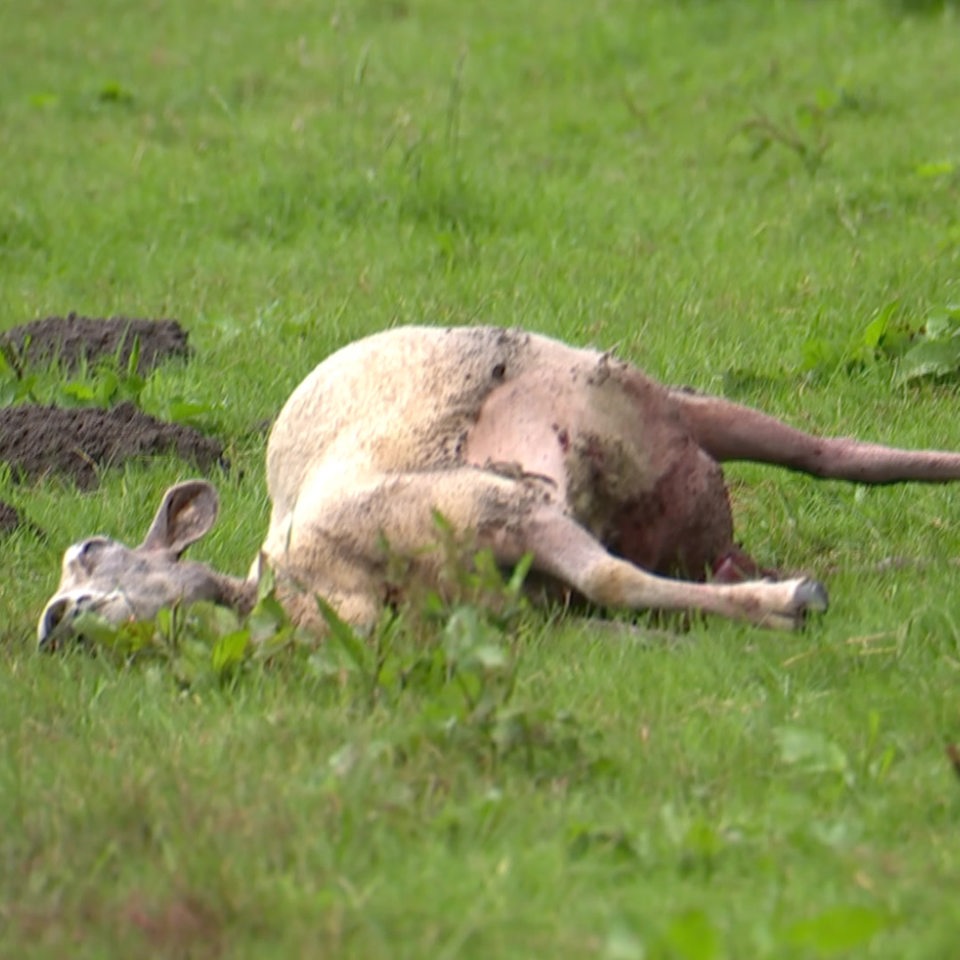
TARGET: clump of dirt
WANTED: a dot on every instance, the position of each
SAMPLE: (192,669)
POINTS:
(182,926)
(36,440)
(9,518)
(75,340)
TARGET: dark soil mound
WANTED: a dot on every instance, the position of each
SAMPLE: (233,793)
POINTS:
(36,440)
(73,340)
(9,518)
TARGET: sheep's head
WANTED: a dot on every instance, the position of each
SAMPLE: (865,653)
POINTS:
(119,583)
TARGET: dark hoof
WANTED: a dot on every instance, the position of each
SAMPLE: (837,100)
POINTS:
(811,597)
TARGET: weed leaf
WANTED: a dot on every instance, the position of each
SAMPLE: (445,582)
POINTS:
(623,944)
(810,751)
(838,929)
(692,935)
(230,651)
(346,638)
(930,358)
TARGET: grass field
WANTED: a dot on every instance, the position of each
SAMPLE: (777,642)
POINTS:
(730,193)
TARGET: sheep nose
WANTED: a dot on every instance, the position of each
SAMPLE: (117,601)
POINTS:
(55,614)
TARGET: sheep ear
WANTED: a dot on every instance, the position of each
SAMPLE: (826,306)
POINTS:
(187,513)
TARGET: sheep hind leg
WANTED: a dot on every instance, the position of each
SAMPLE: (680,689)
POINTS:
(564,550)
(728,431)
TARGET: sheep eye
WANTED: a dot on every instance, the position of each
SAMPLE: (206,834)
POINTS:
(89,550)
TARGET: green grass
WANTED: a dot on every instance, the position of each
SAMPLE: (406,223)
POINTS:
(708,187)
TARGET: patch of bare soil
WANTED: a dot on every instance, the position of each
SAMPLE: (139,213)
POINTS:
(74,340)
(37,440)
(183,927)
(9,518)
